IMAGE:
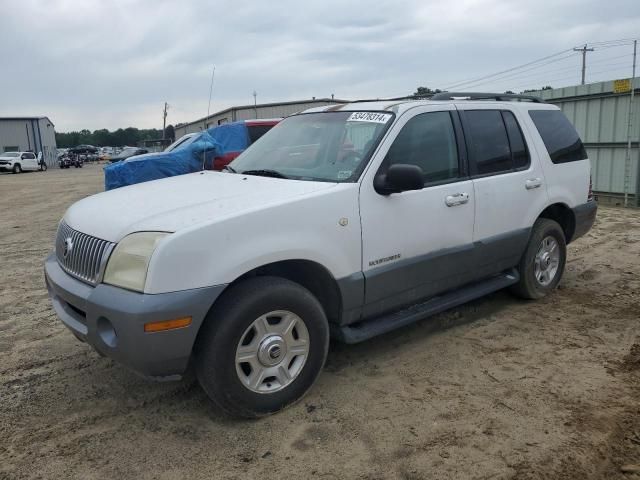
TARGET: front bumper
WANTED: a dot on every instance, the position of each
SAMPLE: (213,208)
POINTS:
(112,320)
(584,215)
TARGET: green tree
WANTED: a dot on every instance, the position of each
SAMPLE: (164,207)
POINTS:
(104,138)
(424,91)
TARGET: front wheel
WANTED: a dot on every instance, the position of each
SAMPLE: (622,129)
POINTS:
(17,168)
(262,347)
(543,262)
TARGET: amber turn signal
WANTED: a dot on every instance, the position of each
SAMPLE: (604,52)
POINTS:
(167,324)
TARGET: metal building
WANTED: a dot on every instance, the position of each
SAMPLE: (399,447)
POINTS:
(248,112)
(600,112)
(29,133)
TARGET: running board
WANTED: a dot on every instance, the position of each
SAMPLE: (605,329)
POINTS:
(377,326)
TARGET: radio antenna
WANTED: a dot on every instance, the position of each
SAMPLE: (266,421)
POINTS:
(204,156)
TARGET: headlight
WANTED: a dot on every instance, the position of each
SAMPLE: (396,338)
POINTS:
(127,267)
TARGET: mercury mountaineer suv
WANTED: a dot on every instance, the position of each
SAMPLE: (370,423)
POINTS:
(344,221)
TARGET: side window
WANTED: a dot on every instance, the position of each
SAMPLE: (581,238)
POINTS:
(29,156)
(516,140)
(427,140)
(559,136)
(490,144)
(256,131)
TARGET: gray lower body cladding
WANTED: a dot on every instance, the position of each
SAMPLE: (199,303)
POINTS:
(410,281)
(584,215)
(112,320)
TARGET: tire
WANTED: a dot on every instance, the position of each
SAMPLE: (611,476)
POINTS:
(537,275)
(17,168)
(232,321)
(43,167)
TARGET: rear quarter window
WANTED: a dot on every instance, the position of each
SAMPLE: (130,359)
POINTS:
(559,136)
(256,131)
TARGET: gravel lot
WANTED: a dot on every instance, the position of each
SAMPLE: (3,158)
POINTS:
(498,389)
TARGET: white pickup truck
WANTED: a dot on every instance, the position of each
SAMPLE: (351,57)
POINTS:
(18,162)
(344,221)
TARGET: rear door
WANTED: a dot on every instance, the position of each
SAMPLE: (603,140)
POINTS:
(29,161)
(508,182)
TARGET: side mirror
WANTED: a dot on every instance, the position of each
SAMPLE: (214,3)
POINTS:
(400,177)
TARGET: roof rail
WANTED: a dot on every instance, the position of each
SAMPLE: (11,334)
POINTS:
(499,97)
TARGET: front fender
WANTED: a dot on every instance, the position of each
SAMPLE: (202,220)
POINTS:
(309,228)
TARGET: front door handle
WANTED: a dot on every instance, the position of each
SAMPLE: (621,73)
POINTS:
(456,199)
(532,183)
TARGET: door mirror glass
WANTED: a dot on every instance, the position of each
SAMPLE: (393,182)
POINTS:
(400,177)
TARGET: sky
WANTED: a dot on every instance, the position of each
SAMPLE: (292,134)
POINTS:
(113,63)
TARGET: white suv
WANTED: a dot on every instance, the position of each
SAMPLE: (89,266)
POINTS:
(344,221)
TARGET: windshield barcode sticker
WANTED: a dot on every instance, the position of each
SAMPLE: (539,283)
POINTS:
(373,117)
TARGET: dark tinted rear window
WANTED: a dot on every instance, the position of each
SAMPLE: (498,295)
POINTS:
(518,145)
(560,137)
(490,143)
(256,131)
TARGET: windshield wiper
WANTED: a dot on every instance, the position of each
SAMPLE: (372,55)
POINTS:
(228,168)
(265,173)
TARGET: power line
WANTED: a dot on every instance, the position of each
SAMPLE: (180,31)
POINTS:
(515,74)
(457,84)
(539,63)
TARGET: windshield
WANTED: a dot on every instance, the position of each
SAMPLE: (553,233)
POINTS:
(327,146)
(11,154)
(181,142)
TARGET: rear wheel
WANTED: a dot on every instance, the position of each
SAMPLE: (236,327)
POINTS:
(262,347)
(542,264)
(17,168)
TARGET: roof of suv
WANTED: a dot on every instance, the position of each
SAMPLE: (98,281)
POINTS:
(400,106)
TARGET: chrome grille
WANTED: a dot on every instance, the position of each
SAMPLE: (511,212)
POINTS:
(87,256)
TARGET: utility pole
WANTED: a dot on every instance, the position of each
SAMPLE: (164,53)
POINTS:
(584,51)
(164,120)
(627,163)
(255,103)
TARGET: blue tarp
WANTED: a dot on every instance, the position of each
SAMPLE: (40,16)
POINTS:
(216,142)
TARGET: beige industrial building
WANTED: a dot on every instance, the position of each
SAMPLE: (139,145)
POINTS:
(248,112)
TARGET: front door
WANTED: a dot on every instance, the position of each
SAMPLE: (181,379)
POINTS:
(417,243)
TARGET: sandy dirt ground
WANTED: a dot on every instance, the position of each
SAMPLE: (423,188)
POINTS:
(497,389)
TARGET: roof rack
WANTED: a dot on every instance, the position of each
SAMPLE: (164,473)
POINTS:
(499,97)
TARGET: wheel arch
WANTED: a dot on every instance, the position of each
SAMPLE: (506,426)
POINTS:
(565,217)
(312,275)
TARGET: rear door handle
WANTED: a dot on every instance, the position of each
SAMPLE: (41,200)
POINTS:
(532,183)
(456,199)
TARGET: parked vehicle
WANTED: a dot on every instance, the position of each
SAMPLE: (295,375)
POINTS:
(105,153)
(344,221)
(70,160)
(18,162)
(209,150)
(84,150)
(126,153)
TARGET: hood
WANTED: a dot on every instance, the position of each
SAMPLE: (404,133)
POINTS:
(179,202)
